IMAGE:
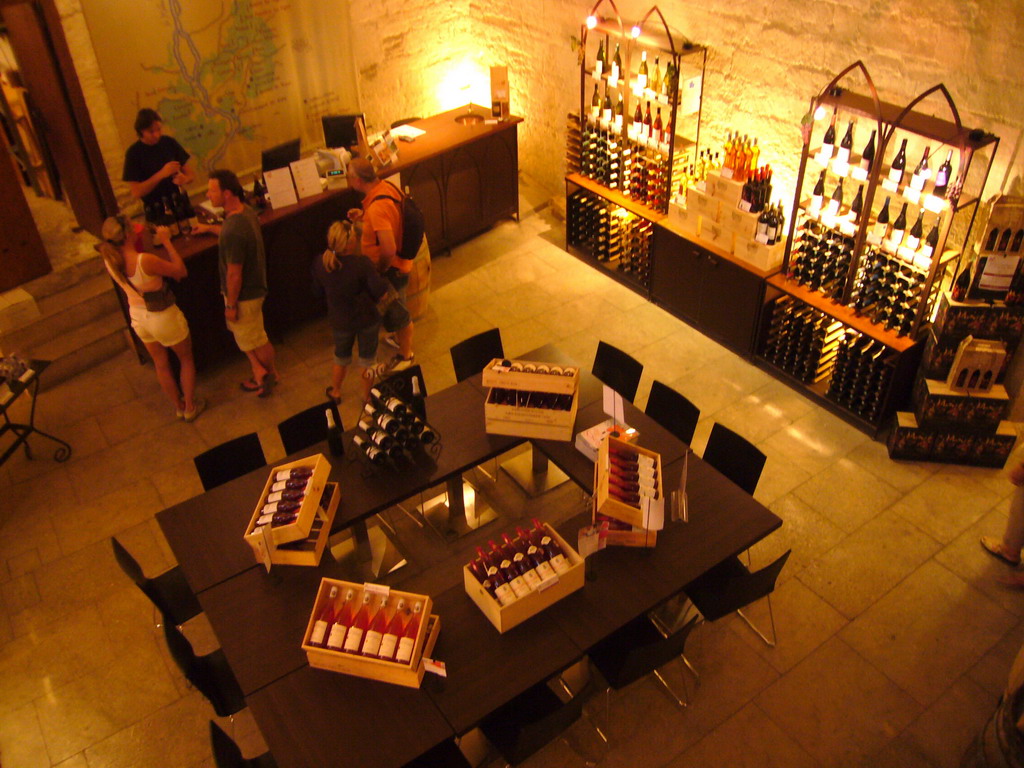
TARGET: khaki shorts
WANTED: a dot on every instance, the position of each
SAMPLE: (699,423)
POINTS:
(167,328)
(248,328)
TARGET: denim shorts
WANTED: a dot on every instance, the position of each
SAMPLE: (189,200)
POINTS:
(344,341)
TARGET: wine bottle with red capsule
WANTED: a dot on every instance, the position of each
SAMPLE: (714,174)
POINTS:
(343,620)
(502,589)
(375,630)
(514,579)
(290,485)
(555,555)
(354,637)
(325,619)
(293,474)
(406,643)
(525,569)
(393,632)
(539,558)
(513,546)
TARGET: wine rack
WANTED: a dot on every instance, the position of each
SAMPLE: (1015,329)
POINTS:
(637,128)
(867,243)
(802,341)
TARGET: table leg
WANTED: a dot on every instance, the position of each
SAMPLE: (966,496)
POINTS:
(367,551)
(450,514)
(532,472)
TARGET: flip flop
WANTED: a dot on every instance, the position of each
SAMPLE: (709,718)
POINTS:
(332,398)
(251,385)
(994,547)
(268,386)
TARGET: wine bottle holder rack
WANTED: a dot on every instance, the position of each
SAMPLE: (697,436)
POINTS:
(862,373)
(801,340)
(638,171)
(610,234)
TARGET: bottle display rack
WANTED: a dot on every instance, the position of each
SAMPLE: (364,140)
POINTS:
(610,236)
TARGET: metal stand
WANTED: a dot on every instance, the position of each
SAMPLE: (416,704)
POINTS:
(458,511)
(532,472)
(23,431)
(367,552)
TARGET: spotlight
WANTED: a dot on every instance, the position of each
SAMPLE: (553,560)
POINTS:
(819,113)
(636,31)
(591,21)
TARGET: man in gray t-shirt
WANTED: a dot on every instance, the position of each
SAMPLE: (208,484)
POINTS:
(243,278)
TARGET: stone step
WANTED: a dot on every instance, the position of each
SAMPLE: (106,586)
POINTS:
(64,279)
(82,348)
(63,312)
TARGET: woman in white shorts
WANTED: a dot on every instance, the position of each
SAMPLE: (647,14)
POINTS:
(156,319)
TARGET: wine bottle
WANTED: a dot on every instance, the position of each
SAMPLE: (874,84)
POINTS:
(427,435)
(514,579)
(539,559)
(606,113)
(616,70)
(962,283)
(837,199)
(638,120)
(942,177)
(828,143)
(296,473)
(280,506)
(899,227)
(181,213)
(555,555)
(373,453)
(914,238)
(502,590)
(641,78)
(762,225)
(324,620)
(772,226)
(595,104)
(818,196)
(170,220)
(668,83)
(846,145)
(922,173)
(655,80)
(525,568)
(285,495)
(930,242)
(620,113)
(334,443)
(648,123)
(375,630)
(393,632)
(867,157)
(656,132)
(289,485)
(354,637)
(599,63)
(882,222)
(899,164)
(343,620)
(408,640)
(857,205)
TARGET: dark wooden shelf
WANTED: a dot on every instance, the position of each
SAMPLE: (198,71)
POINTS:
(616,197)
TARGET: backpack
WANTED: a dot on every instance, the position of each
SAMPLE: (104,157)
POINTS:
(413,225)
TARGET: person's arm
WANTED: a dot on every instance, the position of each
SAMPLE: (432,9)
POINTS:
(173,267)
(234,287)
(376,285)
(207,229)
(185,175)
(388,249)
(140,189)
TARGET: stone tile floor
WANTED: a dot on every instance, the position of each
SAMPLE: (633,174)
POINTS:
(895,640)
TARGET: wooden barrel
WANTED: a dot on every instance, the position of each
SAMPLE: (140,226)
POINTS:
(1000,744)
(417,293)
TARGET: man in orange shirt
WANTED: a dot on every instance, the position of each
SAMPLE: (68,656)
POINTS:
(382,239)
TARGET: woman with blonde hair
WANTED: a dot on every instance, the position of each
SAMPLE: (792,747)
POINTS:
(156,319)
(352,287)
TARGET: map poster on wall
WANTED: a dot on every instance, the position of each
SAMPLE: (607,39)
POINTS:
(229,77)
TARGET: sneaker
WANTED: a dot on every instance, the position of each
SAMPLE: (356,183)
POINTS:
(395,364)
(198,406)
(391,340)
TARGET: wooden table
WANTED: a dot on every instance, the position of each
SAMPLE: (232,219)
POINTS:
(312,717)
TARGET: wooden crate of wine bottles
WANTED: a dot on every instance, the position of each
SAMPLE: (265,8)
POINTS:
(550,591)
(338,639)
(307,551)
(627,484)
(290,504)
(530,399)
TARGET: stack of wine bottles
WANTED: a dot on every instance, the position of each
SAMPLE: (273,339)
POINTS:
(174,212)
(636,258)
(368,626)
(285,498)
(390,428)
(605,157)
(802,340)
(821,257)
(888,290)
(519,566)
(863,368)
(609,233)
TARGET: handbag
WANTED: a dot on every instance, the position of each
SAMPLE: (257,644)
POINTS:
(389,297)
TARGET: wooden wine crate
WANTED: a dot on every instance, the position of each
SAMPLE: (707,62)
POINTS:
(497,375)
(524,421)
(306,551)
(743,223)
(652,515)
(719,236)
(409,675)
(977,364)
(765,257)
(686,220)
(299,529)
(703,204)
(631,537)
(505,617)
(725,189)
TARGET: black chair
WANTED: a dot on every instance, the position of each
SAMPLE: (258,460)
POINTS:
(528,722)
(730,586)
(230,460)
(210,674)
(169,591)
(735,457)
(307,427)
(226,753)
(618,370)
(637,650)
(672,411)
(471,355)
(445,755)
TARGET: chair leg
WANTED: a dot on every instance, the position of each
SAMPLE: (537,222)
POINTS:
(771,616)
(693,670)
(570,694)
(684,702)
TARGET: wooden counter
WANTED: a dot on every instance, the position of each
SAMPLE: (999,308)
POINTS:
(464,178)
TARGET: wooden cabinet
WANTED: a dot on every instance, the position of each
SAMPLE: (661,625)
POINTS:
(708,290)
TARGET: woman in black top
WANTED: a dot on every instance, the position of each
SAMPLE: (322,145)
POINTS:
(352,287)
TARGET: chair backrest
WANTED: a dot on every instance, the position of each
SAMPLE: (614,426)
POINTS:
(735,457)
(307,427)
(128,563)
(643,659)
(742,588)
(230,460)
(673,411)
(618,370)
(471,355)
(210,674)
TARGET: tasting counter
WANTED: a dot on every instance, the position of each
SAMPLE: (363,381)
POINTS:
(463,175)
(308,716)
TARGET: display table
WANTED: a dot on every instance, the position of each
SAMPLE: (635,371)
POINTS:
(464,177)
(310,717)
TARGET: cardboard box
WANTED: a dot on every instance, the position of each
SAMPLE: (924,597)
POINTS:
(910,441)
(651,514)
(306,551)
(706,206)
(957,319)
(937,406)
(505,617)
(718,236)
(728,191)
(741,222)
(976,365)
(765,257)
(299,529)
(409,675)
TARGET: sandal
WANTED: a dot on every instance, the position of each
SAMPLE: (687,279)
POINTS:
(251,385)
(995,548)
(268,386)
(329,396)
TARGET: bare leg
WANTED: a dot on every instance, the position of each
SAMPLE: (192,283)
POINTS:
(1013,536)
(188,372)
(264,357)
(164,374)
(404,337)
(337,377)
